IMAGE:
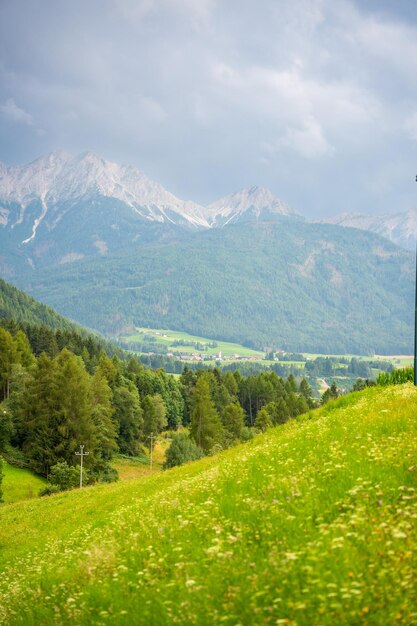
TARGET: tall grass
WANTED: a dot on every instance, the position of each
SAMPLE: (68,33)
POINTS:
(312,523)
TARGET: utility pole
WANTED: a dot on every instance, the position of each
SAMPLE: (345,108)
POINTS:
(151,437)
(81,454)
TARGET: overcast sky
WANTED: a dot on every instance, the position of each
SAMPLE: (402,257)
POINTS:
(315,99)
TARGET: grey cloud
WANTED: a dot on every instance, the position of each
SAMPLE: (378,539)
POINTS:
(14,113)
(211,96)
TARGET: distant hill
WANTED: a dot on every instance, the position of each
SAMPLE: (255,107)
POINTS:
(289,284)
(18,306)
(17,309)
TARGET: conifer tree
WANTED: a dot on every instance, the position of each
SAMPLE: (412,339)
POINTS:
(154,416)
(101,415)
(8,356)
(281,412)
(305,390)
(37,417)
(205,428)
(73,408)
(230,382)
(24,352)
(263,420)
(128,417)
(232,420)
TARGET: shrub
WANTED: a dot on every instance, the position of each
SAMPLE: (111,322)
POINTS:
(49,490)
(63,476)
(246,434)
(182,450)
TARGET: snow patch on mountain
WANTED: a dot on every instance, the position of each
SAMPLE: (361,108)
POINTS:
(60,178)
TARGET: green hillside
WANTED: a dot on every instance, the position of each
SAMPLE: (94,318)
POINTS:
(20,484)
(292,285)
(312,523)
(17,305)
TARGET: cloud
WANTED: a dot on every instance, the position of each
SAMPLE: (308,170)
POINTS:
(15,114)
(410,126)
(209,96)
(308,141)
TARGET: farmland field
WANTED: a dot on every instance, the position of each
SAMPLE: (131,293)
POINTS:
(314,522)
(167,337)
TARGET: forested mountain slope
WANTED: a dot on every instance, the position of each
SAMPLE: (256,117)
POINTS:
(22,308)
(312,523)
(287,284)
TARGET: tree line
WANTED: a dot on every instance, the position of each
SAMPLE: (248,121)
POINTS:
(59,390)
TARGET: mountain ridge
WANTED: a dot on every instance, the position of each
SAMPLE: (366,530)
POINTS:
(60,208)
(400,227)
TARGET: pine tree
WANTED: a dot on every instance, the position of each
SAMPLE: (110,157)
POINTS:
(24,352)
(101,415)
(35,414)
(281,412)
(73,409)
(154,416)
(232,420)
(206,428)
(263,420)
(8,357)
(128,418)
(305,390)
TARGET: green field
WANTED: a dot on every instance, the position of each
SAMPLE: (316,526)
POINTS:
(20,484)
(166,337)
(312,523)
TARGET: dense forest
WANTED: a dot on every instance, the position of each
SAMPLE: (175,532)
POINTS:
(59,390)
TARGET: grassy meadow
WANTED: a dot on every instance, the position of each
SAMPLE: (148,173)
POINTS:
(166,337)
(20,484)
(312,523)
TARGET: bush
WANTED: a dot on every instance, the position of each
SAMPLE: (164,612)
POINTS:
(63,476)
(182,450)
(108,475)
(66,476)
(49,490)
(246,434)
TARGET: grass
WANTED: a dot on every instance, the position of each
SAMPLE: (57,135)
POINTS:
(312,523)
(166,337)
(132,467)
(20,484)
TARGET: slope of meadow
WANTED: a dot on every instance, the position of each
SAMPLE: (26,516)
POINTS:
(20,484)
(312,523)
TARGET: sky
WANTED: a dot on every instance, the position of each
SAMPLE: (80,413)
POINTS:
(314,99)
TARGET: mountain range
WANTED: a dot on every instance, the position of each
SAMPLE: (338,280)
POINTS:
(400,228)
(60,209)
(112,249)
